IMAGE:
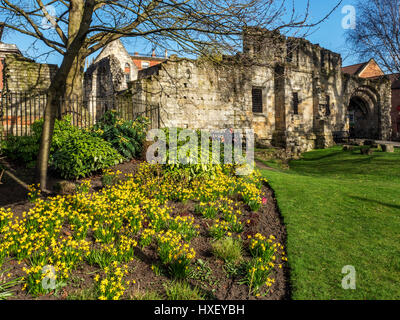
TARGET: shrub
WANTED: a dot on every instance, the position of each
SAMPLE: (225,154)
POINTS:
(127,137)
(74,152)
(228,250)
(82,154)
(25,149)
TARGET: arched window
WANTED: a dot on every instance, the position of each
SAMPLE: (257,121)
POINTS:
(127,72)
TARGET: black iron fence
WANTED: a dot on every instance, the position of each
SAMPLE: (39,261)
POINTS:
(18,110)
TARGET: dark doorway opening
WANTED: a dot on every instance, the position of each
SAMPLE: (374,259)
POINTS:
(360,125)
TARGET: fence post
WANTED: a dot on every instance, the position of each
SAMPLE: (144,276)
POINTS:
(158,116)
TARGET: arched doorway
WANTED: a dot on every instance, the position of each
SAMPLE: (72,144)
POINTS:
(363,114)
(358,117)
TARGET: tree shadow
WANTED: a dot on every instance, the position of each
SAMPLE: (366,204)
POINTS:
(16,181)
(326,156)
(389,205)
(14,188)
(337,167)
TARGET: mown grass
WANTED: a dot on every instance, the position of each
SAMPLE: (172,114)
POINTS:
(342,208)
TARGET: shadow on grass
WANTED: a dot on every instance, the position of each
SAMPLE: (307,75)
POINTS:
(325,156)
(339,166)
(389,205)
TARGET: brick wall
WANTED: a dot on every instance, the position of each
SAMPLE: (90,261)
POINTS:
(371,70)
(153,62)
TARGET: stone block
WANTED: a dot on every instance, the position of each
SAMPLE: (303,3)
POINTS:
(367,151)
(65,187)
(387,148)
(348,148)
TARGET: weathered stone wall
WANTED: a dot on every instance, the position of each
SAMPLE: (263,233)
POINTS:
(193,95)
(203,95)
(24,75)
(108,73)
(25,83)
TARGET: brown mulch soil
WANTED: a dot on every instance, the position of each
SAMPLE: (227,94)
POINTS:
(216,285)
(14,195)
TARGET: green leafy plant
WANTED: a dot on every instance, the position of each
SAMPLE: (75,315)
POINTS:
(193,163)
(6,284)
(127,137)
(202,272)
(26,148)
(74,152)
(22,149)
(83,154)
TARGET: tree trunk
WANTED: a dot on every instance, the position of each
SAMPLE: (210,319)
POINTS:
(67,79)
(52,107)
(73,93)
(74,81)
(57,91)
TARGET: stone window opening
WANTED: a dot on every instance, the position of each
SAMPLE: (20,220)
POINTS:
(296,103)
(257,98)
(127,72)
(328,106)
(289,54)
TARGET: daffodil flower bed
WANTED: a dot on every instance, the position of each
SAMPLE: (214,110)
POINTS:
(106,229)
(265,254)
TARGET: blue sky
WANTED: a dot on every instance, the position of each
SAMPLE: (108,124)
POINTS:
(329,34)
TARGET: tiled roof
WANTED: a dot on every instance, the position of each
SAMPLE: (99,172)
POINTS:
(354,69)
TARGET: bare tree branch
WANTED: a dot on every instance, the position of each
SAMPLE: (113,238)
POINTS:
(377,34)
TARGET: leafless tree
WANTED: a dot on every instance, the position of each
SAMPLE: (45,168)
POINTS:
(377,33)
(79,28)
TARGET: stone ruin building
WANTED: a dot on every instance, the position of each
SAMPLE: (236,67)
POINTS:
(23,87)
(293,93)
(21,74)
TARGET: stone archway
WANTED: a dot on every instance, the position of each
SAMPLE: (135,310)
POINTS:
(363,114)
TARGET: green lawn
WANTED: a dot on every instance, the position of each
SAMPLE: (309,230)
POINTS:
(342,208)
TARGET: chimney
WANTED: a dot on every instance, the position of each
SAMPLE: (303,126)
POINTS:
(166,53)
(136,53)
(154,53)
